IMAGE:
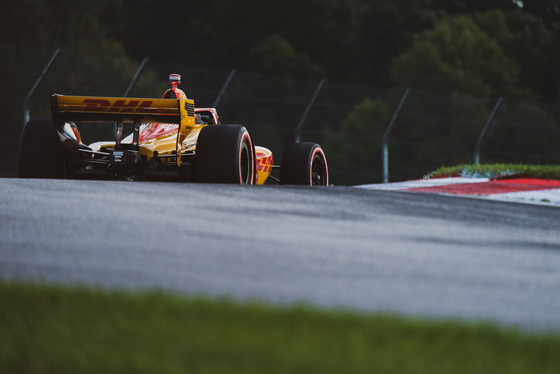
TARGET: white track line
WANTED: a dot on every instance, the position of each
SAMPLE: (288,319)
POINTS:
(551,196)
(546,197)
(421,183)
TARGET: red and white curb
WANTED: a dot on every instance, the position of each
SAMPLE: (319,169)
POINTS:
(519,189)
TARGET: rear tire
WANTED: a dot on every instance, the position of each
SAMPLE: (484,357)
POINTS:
(225,154)
(304,164)
(40,152)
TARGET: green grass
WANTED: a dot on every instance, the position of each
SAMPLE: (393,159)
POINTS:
(498,171)
(50,329)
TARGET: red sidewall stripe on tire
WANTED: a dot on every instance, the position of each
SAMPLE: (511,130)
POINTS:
(248,137)
(318,150)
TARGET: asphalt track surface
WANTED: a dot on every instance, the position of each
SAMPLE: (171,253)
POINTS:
(414,254)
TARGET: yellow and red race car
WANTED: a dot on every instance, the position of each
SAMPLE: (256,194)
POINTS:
(170,139)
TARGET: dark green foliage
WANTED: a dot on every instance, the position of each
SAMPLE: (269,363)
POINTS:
(354,148)
(472,47)
(277,57)
(458,57)
(81,26)
(524,132)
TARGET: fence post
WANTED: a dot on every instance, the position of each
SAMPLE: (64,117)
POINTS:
(309,105)
(224,88)
(133,82)
(385,144)
(485,131)
(37,82)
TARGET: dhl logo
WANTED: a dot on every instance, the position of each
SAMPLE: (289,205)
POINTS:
(122,105)
(264,163)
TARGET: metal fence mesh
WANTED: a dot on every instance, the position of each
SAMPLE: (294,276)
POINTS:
(430,130)
(524,132)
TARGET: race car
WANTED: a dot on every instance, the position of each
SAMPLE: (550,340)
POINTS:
(169,139)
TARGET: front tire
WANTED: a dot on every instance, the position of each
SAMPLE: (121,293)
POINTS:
(304,164)
(225,154)
(40,152)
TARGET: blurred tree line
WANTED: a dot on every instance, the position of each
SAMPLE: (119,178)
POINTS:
(491,47)
(488,48)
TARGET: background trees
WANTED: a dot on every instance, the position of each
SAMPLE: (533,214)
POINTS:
(470,52)
(76,25)
(505,47)
(457,56)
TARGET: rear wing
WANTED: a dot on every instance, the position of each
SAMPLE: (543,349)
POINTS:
(123,109)
(91,108)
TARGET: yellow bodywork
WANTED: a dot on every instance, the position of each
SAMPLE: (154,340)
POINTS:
(265,161)
(141,111)
(166,144)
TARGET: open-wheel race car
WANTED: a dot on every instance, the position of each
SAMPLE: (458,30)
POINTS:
(169,139)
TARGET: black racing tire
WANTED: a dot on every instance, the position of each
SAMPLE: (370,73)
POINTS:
(304,164)
(40,152)
(225,154)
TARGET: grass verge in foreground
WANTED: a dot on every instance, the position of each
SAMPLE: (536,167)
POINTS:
(498,171)
(50,329)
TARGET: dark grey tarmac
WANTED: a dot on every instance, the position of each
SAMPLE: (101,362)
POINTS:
(337,247)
